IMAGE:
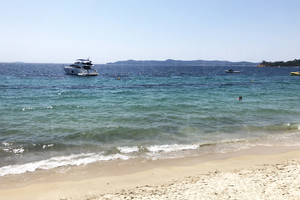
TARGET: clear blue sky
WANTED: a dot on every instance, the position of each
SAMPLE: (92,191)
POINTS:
(59,31)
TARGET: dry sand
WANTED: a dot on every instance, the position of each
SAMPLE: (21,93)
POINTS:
(278,181)
(252,176)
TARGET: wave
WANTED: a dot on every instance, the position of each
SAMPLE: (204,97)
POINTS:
(128,149)
(172,148)
(71,160)
(125,153)
(152,152)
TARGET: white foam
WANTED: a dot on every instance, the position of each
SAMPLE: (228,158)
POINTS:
(20,150)
(71,160)
(47,146)
(6,150)
(6,143)
(24,109)
(127,149)
(171,148)
(11,150)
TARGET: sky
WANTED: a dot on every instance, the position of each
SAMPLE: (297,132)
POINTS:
(60,31)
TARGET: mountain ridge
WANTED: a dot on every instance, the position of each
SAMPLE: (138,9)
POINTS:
(171,62)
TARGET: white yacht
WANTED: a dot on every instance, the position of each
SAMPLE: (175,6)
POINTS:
(82,67)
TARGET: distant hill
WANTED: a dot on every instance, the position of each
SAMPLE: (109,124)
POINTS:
(291,63)
(171,62)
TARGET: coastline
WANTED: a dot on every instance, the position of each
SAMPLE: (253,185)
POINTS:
(159,179)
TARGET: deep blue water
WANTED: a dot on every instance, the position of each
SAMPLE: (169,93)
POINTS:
(49,119)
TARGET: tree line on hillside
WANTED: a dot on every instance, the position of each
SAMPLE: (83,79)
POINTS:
(291,63)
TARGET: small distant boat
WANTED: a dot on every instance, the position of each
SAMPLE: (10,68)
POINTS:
(82,67)
(296,73)
(232,71)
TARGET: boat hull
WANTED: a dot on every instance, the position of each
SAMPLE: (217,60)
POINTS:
(295,73)
(229,71)
(80,72)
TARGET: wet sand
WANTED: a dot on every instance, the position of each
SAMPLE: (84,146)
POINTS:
(257,173)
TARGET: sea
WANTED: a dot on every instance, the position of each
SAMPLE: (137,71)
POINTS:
(49,119)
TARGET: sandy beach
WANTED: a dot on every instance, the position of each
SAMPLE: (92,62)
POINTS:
(262,173)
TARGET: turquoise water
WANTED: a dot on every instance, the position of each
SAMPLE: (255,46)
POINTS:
(49,119)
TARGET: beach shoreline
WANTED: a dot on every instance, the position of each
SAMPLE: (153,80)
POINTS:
(162,179)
